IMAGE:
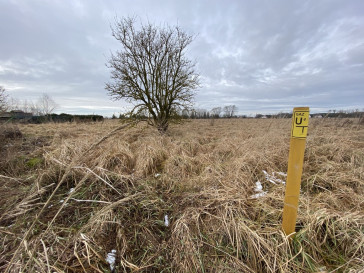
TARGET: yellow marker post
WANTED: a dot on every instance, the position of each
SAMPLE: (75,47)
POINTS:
(295,163)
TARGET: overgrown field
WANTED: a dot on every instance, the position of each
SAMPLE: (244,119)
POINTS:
(67,199)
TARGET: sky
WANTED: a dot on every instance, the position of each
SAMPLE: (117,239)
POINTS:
(262,56)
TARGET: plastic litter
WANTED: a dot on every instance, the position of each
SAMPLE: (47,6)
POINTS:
(111,258)
(166,220)
(258,186)
(271,178)
(259,189)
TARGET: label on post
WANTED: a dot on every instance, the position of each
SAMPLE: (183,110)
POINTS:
(300,123)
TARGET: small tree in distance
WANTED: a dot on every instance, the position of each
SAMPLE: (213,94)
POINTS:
(3,99)
(46,105)
(215,112)
(230,111)
(151,71)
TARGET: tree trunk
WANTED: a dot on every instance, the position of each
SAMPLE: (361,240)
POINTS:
(162,126)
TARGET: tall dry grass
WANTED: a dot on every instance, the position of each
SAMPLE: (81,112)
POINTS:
(66,202)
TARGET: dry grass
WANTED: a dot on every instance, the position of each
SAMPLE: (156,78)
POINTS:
(202,175)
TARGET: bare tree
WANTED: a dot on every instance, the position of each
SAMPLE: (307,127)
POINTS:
(201,113)
(215,112)
(185,113)
(151,70)
(230,110)
(3,100)
(45,105)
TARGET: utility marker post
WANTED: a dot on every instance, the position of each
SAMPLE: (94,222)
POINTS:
(295,163)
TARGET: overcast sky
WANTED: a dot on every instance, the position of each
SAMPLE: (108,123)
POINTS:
(263,56)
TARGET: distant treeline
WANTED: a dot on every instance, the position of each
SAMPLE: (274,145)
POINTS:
(330,114)
(65,118)
(21,116)
(230,112)
(341,114)
(205,114)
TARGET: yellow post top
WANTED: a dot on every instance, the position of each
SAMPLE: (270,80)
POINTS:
(300,122)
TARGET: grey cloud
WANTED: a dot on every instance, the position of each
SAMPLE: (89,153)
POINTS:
(260,55)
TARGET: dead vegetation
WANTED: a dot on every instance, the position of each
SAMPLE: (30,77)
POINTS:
(66,202)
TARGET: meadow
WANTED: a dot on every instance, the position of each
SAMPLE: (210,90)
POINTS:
(72,192)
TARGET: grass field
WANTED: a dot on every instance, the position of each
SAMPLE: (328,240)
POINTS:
(67,199)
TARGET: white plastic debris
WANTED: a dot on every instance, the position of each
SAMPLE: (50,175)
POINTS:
(166,220)
(110,258)
(157,175)
(258,186)
(61,201)
(84,237)
(271,178)
(259,189)
(257,195)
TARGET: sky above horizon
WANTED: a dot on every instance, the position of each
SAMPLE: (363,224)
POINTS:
(262,56)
